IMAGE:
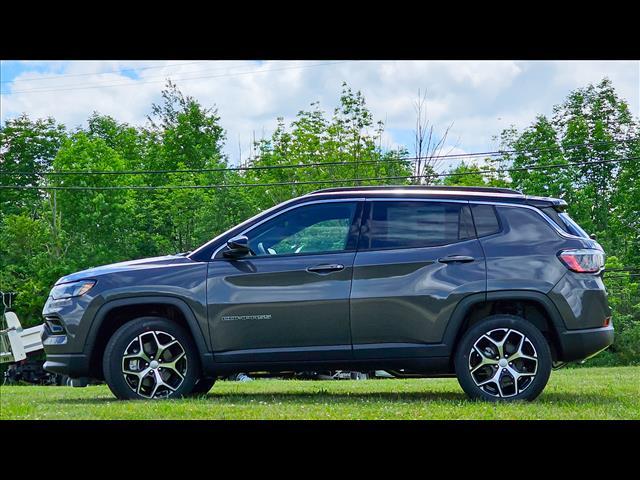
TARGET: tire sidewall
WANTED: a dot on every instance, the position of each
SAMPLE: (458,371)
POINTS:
(112,360)
(461,358)
(202,387)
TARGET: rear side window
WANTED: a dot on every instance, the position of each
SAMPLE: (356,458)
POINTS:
(485,219)
(415,224)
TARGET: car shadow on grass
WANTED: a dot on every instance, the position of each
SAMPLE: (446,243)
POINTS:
(351,397)
(288,397)
(320,395)
(574,398)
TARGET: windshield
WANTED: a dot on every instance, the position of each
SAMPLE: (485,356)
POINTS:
(246,222)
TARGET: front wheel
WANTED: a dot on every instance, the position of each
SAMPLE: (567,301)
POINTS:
(150,358)
(202,387)
(503,358)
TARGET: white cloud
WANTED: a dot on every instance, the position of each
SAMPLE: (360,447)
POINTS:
(624,76)
(479,97)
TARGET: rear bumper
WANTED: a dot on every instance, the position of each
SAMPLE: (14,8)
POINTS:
(74,365)
(581,344)
(581,300)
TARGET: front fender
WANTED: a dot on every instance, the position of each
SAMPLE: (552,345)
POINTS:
(197,326)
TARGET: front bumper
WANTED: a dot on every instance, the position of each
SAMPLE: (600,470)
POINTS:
(75,365)
(582,344)
(59,359)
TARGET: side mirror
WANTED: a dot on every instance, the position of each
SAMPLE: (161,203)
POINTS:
(238,246)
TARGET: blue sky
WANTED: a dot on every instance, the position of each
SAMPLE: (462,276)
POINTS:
(480,98)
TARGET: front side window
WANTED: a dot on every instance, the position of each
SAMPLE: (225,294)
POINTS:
(398,224)
(316,228)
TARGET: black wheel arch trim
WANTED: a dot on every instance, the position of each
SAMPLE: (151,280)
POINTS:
(194,327)
(453,331)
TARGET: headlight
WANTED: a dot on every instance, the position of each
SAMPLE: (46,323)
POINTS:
(73,289)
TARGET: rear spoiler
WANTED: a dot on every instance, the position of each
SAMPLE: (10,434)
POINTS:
(558,204)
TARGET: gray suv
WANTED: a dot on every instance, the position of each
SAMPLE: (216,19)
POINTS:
(487,284)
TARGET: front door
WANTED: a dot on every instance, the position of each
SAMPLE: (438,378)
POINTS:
(416,260)
(289,299)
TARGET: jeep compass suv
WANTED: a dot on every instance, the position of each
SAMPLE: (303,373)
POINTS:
(490,285)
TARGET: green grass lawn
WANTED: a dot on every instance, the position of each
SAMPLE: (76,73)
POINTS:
(585,393)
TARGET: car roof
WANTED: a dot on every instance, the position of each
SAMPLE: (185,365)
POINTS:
(484,194)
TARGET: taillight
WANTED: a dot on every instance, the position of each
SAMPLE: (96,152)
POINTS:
(583,260)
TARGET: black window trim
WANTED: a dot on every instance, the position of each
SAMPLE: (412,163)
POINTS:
(495,212)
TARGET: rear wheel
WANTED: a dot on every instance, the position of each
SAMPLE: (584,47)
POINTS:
(503,358)
(150,358)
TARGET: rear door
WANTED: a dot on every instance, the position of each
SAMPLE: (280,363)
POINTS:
(416,260)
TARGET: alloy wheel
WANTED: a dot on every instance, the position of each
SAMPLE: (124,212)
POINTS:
(503,362)
(154,364)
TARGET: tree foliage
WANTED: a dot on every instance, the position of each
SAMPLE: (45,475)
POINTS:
(591,145)
(587,151)
(29,147)
(587,138)
(347,147)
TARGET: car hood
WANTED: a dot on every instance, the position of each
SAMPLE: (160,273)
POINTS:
(141,264)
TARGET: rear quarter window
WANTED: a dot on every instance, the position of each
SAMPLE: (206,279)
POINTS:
(565,222)
(572,226)
(555,217)
(525,226)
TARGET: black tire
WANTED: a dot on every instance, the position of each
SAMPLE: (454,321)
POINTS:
(202,387)
(181,377)
(508,387)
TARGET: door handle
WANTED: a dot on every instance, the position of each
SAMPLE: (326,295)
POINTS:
(456,259)
(328,268)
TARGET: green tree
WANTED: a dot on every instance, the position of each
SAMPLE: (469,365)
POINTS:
(625,210)
(347,147)
(538,145)
(465,175)
(26,146)
(185,135)
(593,130)
(130,142)
(594,124)
(31,260)
(591,147)
(99,219)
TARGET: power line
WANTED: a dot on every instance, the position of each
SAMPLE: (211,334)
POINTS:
(155,79)
(132,69)
(207,170)
(306,182)
(295,67)
(304,165)
(537,167)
